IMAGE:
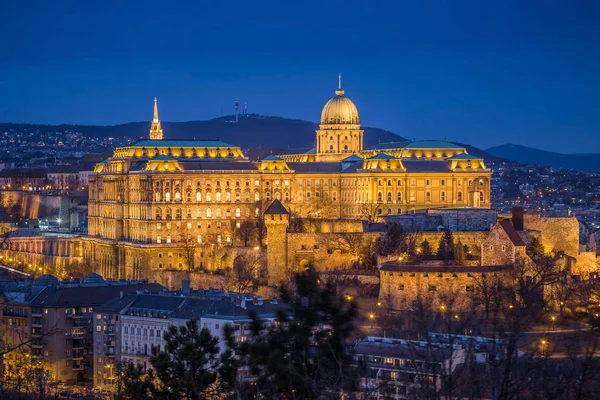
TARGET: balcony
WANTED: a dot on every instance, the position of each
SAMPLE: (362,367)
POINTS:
(36,345)
(36,324)
(79,367)
(110,343)
(110,355)
(36,314)
(74,315)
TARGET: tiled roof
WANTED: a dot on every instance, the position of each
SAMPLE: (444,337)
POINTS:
(382,156)
(406,351)
(224,308)
(162,157)
(88,296)
(217,165)
(417,144)
(426,165)
(432,144)
(352,158)
(323,167)
(157,302)
(117,305)
(276,208)
(62,169)
(181,143)
(389,145)
(23,173)
(464,156)
(511,232)
(271,157)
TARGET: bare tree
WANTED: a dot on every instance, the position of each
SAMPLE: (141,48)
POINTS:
(245,271)
(246,232)
(371,213)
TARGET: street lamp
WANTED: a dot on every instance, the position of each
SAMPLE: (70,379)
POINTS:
(371,318)
(553,319)
(443,307)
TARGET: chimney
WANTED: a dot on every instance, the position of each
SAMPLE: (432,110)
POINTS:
(185,287)
(517,218)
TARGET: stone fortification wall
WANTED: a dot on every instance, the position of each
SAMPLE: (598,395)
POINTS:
(198,280)
(558,234)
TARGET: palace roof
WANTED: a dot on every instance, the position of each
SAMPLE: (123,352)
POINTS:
(464,156)
(276,208)
(417,144)
(181,143)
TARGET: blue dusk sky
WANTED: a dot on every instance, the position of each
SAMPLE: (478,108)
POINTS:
(479,72)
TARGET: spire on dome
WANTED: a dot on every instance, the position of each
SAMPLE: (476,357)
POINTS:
(339,90)
(155,110)
(156,132)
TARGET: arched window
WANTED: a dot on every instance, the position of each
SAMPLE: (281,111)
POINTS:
(389,196)
(459,196)
(237,196)
(399,183)
(227,196)
(208,196)
(345,147)
(480,196)
(268,196)
(256,196)
(168,196)
(218,197)
(188,196)
(287,196)
(379,196)
(169,214)
(177,196)
(247,196)
(208,213)
(399,196)
(178,213)
(198,196)
(158,213)
(238,213)
(443,196)
(157,196)
(218,213)
(389,182)
(331,148)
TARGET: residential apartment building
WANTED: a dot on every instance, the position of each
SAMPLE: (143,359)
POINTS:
(126,330)
(57,317)
(406,369)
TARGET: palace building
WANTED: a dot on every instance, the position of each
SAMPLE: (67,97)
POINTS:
(153,200)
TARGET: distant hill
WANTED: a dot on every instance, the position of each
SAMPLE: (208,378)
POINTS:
(477,152)
(529,155)
(251,131)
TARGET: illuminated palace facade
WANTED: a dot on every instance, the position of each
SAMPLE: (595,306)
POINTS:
(151,199)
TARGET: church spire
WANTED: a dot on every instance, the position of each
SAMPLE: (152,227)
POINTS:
(156,132)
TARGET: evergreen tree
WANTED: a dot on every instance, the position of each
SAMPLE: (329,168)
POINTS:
(535,249)
(426,249)
(190,368)
(459,253)
(304,354)
(446,246)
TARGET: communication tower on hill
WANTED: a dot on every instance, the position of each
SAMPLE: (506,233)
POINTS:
(237,105)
